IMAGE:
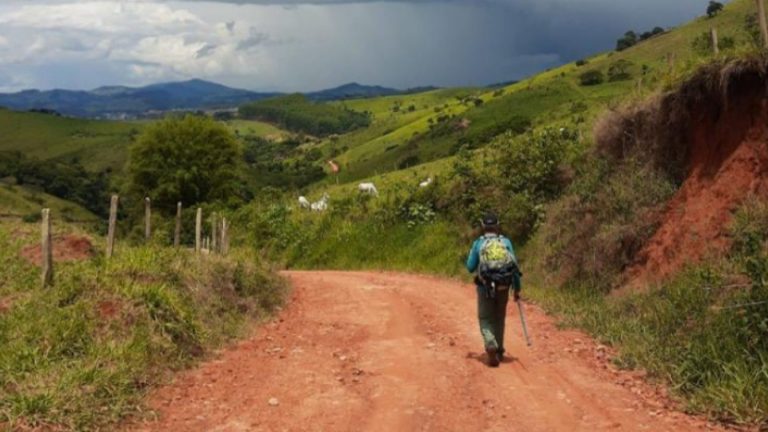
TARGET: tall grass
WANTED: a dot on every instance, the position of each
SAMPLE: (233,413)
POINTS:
(688,333)
(81,355)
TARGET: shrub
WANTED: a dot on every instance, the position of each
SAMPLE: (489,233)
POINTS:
(590,78)
(582,62)
(620,70)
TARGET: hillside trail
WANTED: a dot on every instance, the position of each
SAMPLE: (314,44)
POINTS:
(366,351)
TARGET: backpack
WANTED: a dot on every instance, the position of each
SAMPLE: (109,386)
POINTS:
(498,266)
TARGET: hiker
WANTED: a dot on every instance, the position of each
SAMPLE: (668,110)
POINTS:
(493,258)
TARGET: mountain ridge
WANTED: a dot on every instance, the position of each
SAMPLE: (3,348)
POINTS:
(118,101)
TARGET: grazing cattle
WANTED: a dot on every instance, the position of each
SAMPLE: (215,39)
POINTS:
(425,183)
(304,202)
(322,205)
(368,188)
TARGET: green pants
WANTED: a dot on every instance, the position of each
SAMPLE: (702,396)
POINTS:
(492,314)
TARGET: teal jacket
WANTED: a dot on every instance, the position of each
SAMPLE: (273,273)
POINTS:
(473,260)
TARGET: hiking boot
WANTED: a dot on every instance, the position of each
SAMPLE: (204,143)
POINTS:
(493,357)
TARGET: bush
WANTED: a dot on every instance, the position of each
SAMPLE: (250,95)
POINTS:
(590,78)
(620,70)
(582,62)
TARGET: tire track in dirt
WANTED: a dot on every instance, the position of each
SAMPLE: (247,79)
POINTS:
(369,351)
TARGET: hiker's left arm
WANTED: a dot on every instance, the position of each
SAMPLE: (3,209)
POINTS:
(517,283)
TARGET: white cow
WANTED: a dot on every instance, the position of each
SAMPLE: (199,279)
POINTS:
(425,183)
(322,205)
(304,202)
(368,188)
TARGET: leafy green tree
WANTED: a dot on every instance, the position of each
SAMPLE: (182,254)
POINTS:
(714,8)
(628,40)
(191,159)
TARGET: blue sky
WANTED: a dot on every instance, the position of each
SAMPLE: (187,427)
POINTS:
(298,45)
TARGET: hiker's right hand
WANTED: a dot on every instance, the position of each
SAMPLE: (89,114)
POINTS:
(517,296)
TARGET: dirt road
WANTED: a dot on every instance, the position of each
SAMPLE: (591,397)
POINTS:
(393,352)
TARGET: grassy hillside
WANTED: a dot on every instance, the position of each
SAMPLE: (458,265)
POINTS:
(256,128)
(298,114)
(18,202)
(98,145)
(444,120)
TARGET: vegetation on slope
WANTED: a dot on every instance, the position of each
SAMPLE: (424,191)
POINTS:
(81,355)
(98,145)
(68,181)
(23,202)
(297,113)
(415,129)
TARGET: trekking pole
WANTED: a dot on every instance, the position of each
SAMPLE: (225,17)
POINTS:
(522,319)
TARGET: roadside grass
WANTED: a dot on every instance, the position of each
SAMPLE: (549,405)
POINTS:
(682,333)
(82,354)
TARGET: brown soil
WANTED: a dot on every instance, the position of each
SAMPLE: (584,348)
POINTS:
(727,154)
(394,352)
(66,248)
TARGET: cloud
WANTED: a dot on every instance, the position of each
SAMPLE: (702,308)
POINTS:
(310,44)
(150,40)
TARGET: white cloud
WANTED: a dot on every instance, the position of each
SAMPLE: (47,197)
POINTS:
(156,41)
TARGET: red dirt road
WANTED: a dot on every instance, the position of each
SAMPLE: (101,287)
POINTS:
(394,352)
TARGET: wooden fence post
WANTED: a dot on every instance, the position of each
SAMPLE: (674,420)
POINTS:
(112,225)
(214,232)
(224,236)
(198,230)
(715,42)
(47,250)
(763,23)
(147,218)
(177,231)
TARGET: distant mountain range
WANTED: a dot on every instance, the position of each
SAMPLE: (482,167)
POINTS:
(120,101)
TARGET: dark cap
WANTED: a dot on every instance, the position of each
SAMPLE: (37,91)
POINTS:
(490,220)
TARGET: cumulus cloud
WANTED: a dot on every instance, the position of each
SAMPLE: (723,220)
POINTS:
(154,40)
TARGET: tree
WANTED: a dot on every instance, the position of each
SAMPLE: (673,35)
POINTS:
(630,39)
(593,77)
(191,159)
(714,8)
